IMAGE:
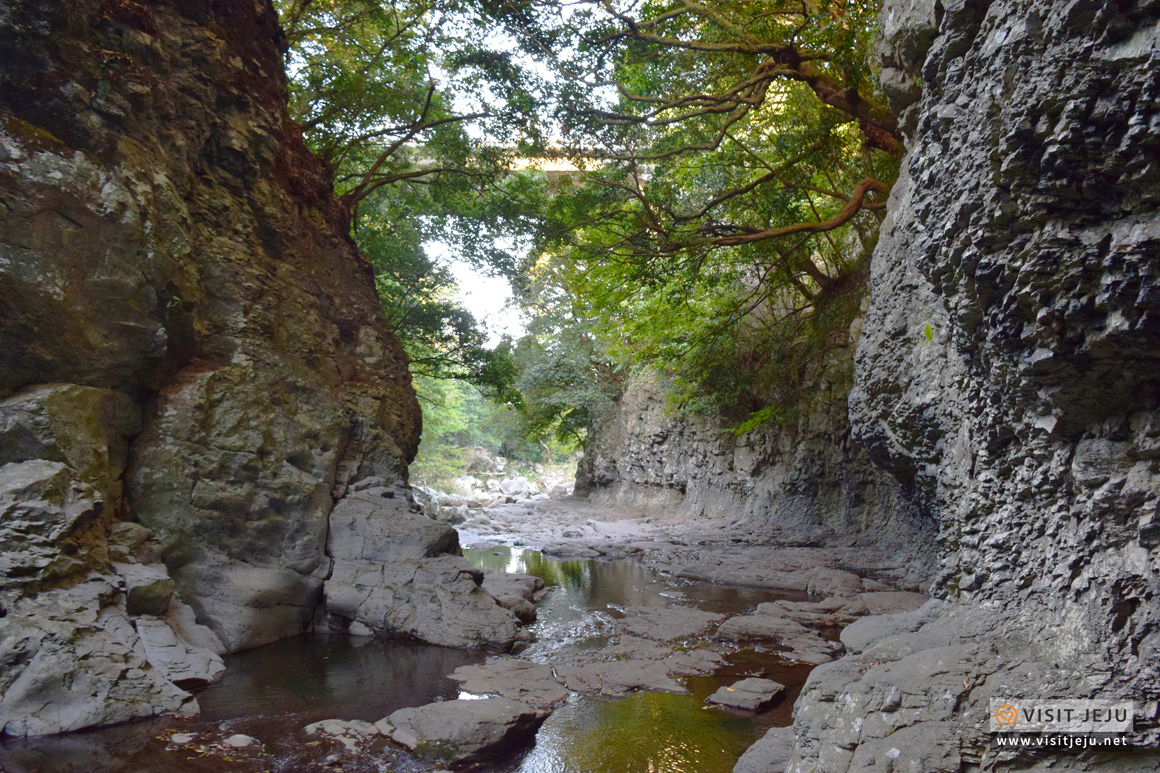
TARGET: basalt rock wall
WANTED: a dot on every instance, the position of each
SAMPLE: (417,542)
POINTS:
(1025,232)
(803,483)
(194,372)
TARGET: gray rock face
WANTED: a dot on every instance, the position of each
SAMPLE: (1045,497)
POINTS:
(769,755)
(463,730)
(1024,232)
(188,340)
(750,694)
(72,658)
(80,640)
(396,571)
(640,457)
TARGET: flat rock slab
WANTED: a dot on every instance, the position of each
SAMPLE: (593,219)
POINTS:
(751,694)
(619,678)
(892,602)
(518,680)
(463,730)
(800,642)
(353,734)
(693,662)
(760,626)
(668,623)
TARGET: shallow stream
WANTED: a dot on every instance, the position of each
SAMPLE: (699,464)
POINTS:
(272,692)
(646,732)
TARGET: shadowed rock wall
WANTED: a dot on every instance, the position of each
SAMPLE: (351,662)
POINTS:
(1025,231)
(188,343)
(804,483)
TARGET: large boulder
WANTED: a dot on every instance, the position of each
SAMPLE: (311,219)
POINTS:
(396,571)
(464,730)
(194,363)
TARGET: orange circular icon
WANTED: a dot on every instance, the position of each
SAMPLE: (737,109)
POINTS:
(1006,714)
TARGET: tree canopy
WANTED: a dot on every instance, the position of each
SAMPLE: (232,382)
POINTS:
(731,164)
(736,158)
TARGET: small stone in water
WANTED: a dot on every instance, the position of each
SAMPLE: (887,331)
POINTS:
(239,741)
(181,739)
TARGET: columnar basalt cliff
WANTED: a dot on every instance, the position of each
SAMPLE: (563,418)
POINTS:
(1025,231)
(201,400)
(806,481)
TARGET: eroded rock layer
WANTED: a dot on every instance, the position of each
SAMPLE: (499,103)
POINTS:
(1024,231)
(194,369)
(807,483)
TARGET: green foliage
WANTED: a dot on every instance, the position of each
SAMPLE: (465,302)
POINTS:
(565,369)
(394,97)
(735,160)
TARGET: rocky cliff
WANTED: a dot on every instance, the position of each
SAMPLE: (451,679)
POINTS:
(205,422)
(1025,231)
(804,483)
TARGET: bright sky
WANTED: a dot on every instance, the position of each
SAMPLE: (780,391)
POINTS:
(486,297)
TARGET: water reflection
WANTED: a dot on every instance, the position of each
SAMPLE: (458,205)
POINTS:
(661,732)
(334,676)
(520,561)
(270,693)
(645,732)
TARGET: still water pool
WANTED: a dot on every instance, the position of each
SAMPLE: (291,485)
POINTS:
(648,732)
(272,692)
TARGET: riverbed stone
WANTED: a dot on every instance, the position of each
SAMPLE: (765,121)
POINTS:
(243,743)
(464,730)
(619,678)
(750,694)
(515,592)
(353,734)
(396,571)
(521,680)
(800,643)
(668,624)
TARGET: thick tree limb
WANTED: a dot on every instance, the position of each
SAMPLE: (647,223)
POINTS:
(852,208)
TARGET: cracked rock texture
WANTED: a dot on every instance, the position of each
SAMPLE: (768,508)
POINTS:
(1024,230)
(809,478)
(194,368)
